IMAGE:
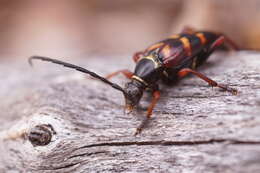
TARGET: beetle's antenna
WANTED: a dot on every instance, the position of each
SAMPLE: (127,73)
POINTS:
(114,85)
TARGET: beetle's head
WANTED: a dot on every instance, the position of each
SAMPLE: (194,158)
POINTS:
(133,93)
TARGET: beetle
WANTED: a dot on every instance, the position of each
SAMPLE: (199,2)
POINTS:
(168,60)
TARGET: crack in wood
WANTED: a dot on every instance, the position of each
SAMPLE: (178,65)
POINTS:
(88,154)
(176,143)
(60,167)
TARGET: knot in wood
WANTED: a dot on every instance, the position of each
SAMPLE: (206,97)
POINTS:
(41,135)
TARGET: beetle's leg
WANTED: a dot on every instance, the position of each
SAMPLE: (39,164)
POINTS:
(203,56)
(211,82)
(188,30)
(125,72)
(222,40)
(156,97)
(231,44)
(137,56)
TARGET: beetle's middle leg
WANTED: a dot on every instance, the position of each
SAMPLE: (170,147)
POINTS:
(184,72)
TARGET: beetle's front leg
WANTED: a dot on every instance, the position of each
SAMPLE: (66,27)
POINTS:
(125,72)
(156,97)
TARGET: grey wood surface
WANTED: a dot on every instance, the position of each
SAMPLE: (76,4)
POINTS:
(194,128)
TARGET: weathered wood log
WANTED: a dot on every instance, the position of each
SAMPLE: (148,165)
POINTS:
(194,128)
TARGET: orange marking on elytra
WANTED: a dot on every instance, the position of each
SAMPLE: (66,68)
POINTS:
(166,51)
(202,38)
(155,46)
(186,45)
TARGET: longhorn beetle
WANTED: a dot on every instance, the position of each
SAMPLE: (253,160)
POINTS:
(168,60)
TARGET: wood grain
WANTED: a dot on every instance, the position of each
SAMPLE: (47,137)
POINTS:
(194,128)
